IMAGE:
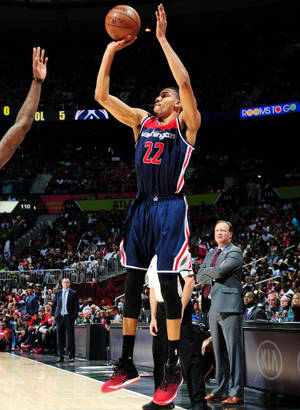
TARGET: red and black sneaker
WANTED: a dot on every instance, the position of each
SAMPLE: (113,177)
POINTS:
(124,374)
(167,391)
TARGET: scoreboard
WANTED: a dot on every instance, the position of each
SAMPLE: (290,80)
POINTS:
(10,112)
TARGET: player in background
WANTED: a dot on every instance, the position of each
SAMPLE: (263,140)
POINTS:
(15,135)
(157,222)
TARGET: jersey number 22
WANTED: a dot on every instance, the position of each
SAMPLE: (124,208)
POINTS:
(153,155)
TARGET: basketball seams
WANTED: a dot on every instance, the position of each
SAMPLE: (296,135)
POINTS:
(121,21)
(114,25)
(126,15)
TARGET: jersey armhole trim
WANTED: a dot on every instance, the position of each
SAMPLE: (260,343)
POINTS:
(181,136)
(142,126)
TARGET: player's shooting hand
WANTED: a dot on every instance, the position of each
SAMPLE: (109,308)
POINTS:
(39,63)
(119,45)
(161,22)
(153,327)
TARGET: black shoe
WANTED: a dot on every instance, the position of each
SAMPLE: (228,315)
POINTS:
(71,360)
(199,406)
(152,406)
(59,360)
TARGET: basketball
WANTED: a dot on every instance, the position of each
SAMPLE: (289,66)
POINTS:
(121,21)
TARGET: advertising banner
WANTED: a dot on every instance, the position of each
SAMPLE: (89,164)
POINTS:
(272,359)
(269,110)
(54,203)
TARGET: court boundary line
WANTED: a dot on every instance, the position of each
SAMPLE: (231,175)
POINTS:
(81,375)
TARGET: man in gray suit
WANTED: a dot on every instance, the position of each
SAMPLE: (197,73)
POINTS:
(222,270)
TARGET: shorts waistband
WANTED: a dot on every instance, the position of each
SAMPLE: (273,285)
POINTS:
(158,197)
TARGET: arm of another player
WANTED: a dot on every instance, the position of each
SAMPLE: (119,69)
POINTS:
(207,344)
(189,283)
(15,135)
(132,117)
(153,308)
(190,114)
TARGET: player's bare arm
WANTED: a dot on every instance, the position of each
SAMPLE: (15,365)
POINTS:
(189,283)
(132,117)
(153,308)
(190,116)
(15,135)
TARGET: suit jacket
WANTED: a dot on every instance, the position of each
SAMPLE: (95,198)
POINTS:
(72,304)
(226,290)
(32,304)
(257,313)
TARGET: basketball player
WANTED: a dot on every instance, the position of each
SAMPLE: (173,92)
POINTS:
(190,357)
(157,221)
(15,135)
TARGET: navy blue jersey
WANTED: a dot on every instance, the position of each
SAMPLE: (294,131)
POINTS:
(161,157)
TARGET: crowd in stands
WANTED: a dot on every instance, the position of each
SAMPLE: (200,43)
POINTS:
(27,322)
(268,235)
(264,230)
(75,241)
(83,169)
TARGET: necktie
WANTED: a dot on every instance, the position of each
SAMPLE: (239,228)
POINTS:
(246,313)
(213,263)
(64,297)
(206,289)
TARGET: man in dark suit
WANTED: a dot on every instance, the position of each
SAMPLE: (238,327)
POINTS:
(32,303)
(252,310)
(222,269)
(65,309)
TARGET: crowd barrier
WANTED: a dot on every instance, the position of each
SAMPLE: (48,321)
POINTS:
(81,272)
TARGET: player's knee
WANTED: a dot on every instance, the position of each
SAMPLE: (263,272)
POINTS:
(169,291)
(133,289)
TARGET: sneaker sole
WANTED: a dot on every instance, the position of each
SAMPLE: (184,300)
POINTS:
(163,403)
(109,389)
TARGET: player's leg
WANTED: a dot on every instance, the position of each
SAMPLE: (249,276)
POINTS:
(125,372)
(167,391)
(133,290)
(160,356)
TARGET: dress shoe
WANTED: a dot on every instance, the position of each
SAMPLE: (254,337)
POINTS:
(153,406)
(71,360)
(199,406)
(59,360)
(213,396)
(233,400)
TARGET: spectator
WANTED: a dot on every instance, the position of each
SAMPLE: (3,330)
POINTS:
(5,336)
(273,306)
(285,303)
(198,315)
(32,305)
(296,306)
(20,332)
(252,310)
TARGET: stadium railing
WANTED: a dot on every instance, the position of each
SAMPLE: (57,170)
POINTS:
(81,272)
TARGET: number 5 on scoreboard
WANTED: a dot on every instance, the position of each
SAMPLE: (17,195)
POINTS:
(157,151)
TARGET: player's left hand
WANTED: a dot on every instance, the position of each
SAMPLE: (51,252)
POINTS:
(39,63)
(153,327)
(161,22)
(207,344)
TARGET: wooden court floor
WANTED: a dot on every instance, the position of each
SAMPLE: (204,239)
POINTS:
(27,384)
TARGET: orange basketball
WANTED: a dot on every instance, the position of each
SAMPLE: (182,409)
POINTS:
(121,21)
